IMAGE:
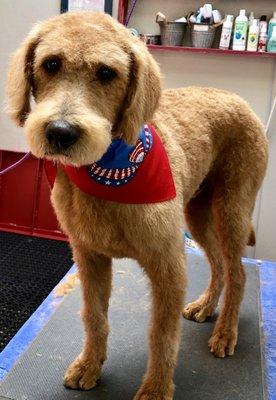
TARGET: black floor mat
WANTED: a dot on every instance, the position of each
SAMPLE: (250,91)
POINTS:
(29,269)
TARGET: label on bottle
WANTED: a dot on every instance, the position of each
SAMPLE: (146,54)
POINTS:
(262,42)
(240,33)
(252,39)
(225,38)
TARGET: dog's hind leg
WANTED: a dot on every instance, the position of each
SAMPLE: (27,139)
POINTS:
(200,220)
(233,204)
(166,271)
(95,275)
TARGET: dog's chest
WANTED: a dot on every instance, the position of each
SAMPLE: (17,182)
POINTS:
(115,230)
(99,225)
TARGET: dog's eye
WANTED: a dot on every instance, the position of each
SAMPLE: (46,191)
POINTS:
(52,65)
(105,74)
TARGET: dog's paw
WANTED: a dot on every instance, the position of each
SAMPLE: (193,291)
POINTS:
(151,396)
(148,393)
(223,342)
(82,374)
(198,311)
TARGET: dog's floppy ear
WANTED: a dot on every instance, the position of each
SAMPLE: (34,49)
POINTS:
(19,80)
(143,93)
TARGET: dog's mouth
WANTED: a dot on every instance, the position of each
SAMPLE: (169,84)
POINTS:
(56,155)
(64,157)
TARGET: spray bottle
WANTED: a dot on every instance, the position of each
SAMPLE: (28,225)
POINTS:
(263,34)
(251,17)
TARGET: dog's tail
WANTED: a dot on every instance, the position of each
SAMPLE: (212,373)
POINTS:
(252,238)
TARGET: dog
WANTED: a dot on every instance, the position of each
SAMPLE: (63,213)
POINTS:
(92,82)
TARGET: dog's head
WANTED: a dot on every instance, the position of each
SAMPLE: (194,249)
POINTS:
(89,79)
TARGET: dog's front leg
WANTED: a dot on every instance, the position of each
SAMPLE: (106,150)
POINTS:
(95,276)
(167,275)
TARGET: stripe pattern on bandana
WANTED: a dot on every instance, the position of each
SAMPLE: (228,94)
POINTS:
(121,161)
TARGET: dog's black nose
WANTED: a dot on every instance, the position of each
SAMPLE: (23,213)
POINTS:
(61,134)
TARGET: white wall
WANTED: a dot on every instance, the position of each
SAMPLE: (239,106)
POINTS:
(266,228)
(16,19)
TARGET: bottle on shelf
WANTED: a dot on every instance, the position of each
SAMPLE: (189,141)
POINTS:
(272,23)
(263,34)
(251,17)
(240,31)
(271,46)
(253,36)
(263,22)
(226,33)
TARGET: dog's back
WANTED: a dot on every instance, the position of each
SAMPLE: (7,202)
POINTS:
(213,128)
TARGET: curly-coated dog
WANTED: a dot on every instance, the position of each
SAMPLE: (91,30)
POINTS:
(92,83)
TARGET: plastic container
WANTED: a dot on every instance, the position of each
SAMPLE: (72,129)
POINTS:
(271,46)
(272,23)
(226,33)
(263,34)
(251,18)
(202,35)
(240,32)
(253,36)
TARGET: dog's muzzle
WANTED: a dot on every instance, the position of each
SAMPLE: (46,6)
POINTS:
(61,134)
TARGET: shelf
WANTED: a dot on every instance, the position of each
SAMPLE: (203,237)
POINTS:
(211,51)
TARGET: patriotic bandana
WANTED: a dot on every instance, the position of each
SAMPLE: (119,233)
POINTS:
(137,174)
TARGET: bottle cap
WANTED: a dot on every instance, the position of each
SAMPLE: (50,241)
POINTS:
(263,18)
(274,14)
(242,13)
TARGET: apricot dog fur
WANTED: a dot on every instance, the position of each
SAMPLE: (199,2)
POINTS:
(218,155)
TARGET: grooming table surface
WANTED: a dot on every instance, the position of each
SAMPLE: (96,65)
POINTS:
(39,372)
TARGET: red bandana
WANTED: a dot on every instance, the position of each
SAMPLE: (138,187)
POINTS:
(136,174)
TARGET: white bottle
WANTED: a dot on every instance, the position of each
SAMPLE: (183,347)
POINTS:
(240,31)
(253,36)
(226,33)
(251,18)
(272,23)
(263,34)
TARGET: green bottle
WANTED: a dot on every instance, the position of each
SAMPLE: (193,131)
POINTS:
(271,46)
(271,25)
